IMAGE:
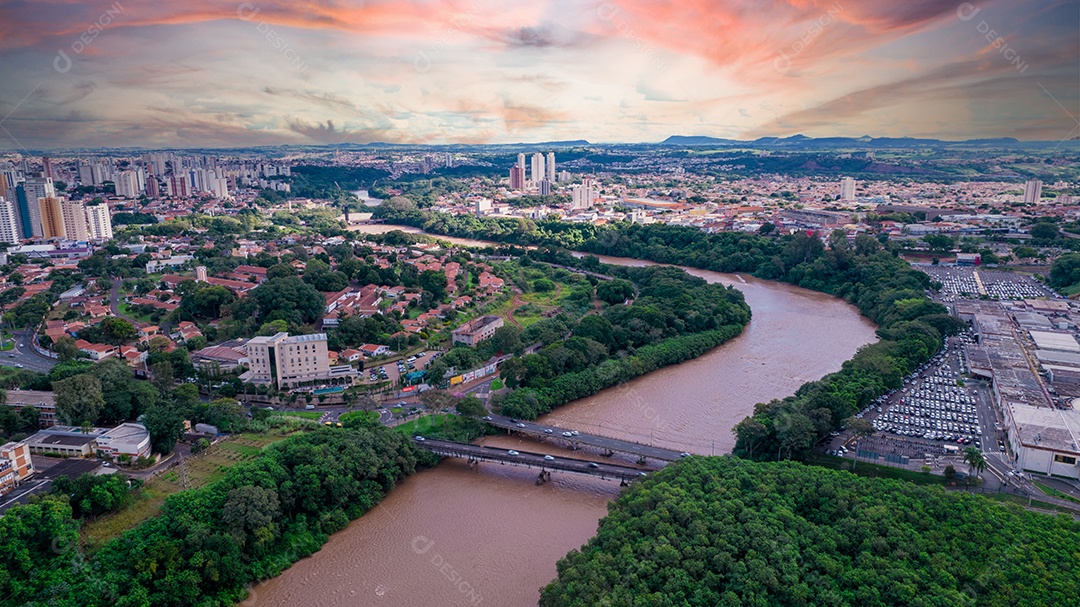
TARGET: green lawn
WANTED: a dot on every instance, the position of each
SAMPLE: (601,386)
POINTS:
(315,415)
(424,424)
(126,310)
(496,384)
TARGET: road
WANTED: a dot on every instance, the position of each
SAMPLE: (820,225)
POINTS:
(533,460)
(25,355)
(593,440)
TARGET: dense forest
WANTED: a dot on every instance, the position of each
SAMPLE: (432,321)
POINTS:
(864,272)
(719,532)
(207,544)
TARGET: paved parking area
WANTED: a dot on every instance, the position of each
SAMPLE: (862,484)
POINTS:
(395,369)
(931,416)
(966,282)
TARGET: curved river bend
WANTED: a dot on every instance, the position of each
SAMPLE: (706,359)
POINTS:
(489,536)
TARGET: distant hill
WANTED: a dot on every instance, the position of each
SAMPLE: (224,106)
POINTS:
(866,141)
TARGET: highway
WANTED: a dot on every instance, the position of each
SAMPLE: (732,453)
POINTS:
(576,440)
(529,459)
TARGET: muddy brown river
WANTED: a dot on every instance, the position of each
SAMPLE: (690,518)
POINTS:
(490,536)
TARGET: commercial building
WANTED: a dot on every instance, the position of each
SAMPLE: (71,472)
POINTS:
(583,195)
(67,441)
(291,361)
(131,440)
(1044,440)
(476,330)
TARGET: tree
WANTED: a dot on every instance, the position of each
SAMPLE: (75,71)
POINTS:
(162,375)
(434,282)
(250,514)
(766,228)
(78,399)
(975,460)
(65,348)
(165,424)
(471,406)
(615,291)
(117,330)
(860,428)
(749,432)
(438,400)
(288,298)
(1044,230)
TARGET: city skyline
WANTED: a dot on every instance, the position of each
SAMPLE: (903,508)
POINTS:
(228,74)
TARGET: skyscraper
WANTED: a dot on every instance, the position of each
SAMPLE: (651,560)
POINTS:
(1032,191)
(537,174)
(583,195)
(29,212)
(521,160)
(46,167)
(127,184)
(74,216)
(550,167)
(98,222)
(52,217)
(847,188)
(9,221)
(517,178)
(545,187)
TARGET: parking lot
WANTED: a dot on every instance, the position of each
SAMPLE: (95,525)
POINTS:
(392,370)
(970,283)
(932,414)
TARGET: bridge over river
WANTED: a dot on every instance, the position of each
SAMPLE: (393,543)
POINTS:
(574,439)
(546,463)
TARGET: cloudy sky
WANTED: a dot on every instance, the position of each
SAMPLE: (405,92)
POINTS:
(209,73)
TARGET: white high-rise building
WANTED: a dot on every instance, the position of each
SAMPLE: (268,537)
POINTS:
(9,221)
(521,161)
(98,222)
(537,174)
(583,195)
(220,187)
(847,189)
(549,167)
(86,173)
(1032,191)
(74,216)
(127,184)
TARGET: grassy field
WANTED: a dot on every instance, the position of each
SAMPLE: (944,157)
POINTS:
(126,310)
(315,415)
(424,424)
(1023,501)
(197,471)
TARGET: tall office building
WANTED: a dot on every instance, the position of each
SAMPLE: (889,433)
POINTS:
(517,178)
(583,195)
(847,189)
(98,222)
(52,217)
(9,221)
(537,174)
(521,161)
(549,167)
(1032,191)
(29,212)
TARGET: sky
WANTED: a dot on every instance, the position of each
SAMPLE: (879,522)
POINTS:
(185,73)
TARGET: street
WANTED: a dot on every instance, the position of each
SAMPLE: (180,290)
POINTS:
(23,354)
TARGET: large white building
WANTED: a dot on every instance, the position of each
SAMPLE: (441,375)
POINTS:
(847,189)
(583,195)
(549,167)
(1044,440)
(127,184)
(9,221)
(1032,191)
(290,361)
(98,222)
(537,174)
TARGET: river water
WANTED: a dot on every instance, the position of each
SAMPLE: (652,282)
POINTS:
(490,536)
